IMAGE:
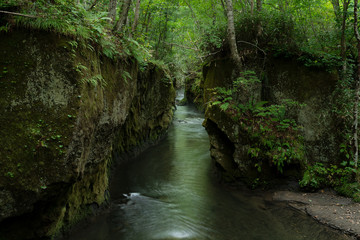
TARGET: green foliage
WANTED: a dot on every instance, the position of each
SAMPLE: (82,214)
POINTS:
(11,3)
(307,30)
(125,76)
(351,190)
(10,174)
(314,176)
(319,59)
(277,30)
(95,81)
(5,28)
(90,28)
(81,69)
(178,37)
(340,177)
(273,134)
(141,54)
(213,37)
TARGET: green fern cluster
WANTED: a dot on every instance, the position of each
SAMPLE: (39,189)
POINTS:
(68,19)
(97,80)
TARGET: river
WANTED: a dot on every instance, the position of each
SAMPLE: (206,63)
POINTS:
(172,193)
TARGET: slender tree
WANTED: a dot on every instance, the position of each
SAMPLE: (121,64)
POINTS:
(259,25)
(224,7)
(136,18)
(112,10)
(213,8)
(357,94)
(341,20)
(252,6)
(146,18)
(343,29)
(259,5)
(123,16)
(231,34)
(336,6)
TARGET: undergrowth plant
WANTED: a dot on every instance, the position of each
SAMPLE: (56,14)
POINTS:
(340,177)
(273,134)
(90,28)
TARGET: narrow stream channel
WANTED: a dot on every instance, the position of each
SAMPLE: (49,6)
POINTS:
(172,194)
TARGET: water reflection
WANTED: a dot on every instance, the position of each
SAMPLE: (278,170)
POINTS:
(171,194)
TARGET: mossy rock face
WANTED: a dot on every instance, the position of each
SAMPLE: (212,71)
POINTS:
(194,91)
(217,73)
(61,109)
(38,95)
(150,115)
(282,79)
(287,79)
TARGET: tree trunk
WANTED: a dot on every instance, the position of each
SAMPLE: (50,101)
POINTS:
(336,6)
(357,94)
(148,23)
(146,20)
(283,5)
(343,39)
(162,36)
(213,7)
(259,25)
(223,5)
(136,18)
(231,34)
(123,16)
(259,5)
(252,6)
(112,10)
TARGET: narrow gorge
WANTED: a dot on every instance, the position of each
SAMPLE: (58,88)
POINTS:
(179,119)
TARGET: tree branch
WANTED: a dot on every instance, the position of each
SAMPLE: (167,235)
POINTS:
(253,46)
(263,51)
(18,14)
(182,46)
(210,54)
(93,5)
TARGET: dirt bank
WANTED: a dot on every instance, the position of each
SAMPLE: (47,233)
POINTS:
(326,207)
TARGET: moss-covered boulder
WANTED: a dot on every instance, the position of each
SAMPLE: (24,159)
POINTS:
(63,109)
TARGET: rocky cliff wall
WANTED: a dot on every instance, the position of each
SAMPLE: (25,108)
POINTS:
(232,142)
(64,109)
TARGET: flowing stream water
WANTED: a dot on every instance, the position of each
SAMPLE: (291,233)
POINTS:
(172,193)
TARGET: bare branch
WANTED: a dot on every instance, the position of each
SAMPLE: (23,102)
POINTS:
(253,46)
(210,54)
(18,14)
(263,51)
(182,46)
